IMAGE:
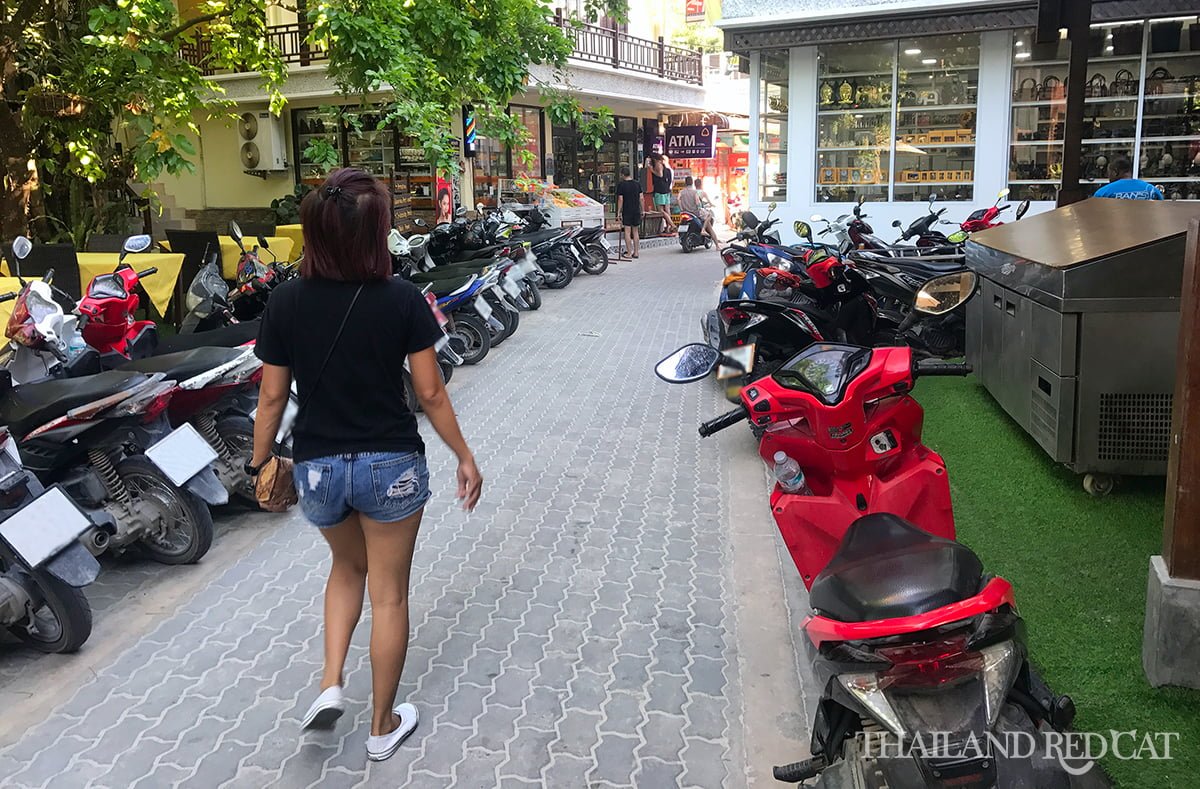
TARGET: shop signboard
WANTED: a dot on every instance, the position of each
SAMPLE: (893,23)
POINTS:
(691,142)
(694,10)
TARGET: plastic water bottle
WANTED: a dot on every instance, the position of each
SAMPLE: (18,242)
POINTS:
(75,345)
(789,475)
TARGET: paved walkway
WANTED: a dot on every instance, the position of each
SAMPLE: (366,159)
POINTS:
(580,629)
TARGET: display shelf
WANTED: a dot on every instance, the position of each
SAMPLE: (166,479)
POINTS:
(923,146)
(1171,96)
(854,74)
(1035,181)
(1035,143)
(923,184)
(934,107)
(1175,179)
(938,70)
(1063,101)
(1109,141)
(773,115)
(1092,61)
(856,110)
(824,148)
(1153,56)
(1184,138)
(771,150)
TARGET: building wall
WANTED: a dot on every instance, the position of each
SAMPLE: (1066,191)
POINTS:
(735,9)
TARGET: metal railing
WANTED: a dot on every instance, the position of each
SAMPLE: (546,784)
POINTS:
(593,43)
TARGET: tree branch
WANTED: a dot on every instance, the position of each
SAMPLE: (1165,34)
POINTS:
(183,27)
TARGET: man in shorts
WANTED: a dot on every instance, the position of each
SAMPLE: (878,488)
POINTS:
(629,208)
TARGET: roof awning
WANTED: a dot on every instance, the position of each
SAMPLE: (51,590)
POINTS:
(720,120)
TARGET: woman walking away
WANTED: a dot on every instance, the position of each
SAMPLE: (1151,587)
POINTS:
(343,330)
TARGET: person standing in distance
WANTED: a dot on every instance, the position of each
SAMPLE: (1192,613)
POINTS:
(662,178)
(629,208)
(343,330)
(1121,184)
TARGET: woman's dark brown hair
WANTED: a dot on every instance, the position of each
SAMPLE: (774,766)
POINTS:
(346,222)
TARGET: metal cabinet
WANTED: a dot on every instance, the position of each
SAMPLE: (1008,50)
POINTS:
(1074,329)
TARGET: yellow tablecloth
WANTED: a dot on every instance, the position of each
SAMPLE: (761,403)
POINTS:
(296,234)
(159,286)
(7,285)
(281,247)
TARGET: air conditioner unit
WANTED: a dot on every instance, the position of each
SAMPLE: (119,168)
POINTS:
(260,137)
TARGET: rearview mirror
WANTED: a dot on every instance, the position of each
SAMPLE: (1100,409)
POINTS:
(235,231)
(1002,194)
(137,244)
(1023,208)
(690,363)
(395,242)
(817,218)
(772,205)
(262,242)
(862,199)
(419,222)
(942,294)
(460,212)
(803,229)
(897,223)
(480,207)
(21,247)
(933,198)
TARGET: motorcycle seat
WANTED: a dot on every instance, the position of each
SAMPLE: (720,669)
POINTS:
(224,337)
(538,236)
(25,408)
(185,364)
(886,568)
(482,253)
(446,285)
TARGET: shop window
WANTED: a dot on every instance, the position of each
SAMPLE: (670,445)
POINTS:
(937,85)
(854,120)
(1169,156)
(531,119)
(316,126)
(368,147)
(1039,107)
(773,125)
(491,165)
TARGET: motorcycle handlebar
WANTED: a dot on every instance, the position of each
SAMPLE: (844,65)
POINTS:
(938,367)
(8,297)
(1005,207)
(721,422)
(148,272)
(48,277)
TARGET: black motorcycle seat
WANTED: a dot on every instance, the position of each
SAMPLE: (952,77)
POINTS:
(185,364)
(442,286)
(477,254)
(229,336)
(25,408)
(537,236)
(886,567)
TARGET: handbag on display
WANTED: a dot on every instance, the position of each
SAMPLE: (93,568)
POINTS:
(1123,84)
(1052,89)
(1127,39)
(1096,87)
(1027,90)
(1156,81)
(1164,36)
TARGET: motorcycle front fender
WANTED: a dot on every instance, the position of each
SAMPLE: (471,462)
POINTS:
(206,485)
(74,565)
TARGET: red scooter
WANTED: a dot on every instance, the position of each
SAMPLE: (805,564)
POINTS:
(910,638)
(106,311)
(990,216)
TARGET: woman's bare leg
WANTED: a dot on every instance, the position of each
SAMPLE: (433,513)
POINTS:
(390,551)
(343,594)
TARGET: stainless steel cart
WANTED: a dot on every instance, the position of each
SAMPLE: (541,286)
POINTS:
(1074,330)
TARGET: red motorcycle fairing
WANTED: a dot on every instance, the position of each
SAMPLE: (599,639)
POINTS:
(861,452)
(108,305)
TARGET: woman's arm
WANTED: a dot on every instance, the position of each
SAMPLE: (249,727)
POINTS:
(431,392)
(272,399)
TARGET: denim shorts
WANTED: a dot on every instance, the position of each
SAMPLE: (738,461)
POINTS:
(384,486)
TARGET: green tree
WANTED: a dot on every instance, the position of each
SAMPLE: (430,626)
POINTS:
(98,93)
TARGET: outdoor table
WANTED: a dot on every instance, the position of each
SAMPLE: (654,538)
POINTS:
(160,286)
(8,285)
(296,234)
(281,247)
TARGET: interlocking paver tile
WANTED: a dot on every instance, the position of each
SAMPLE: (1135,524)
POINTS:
(573,632)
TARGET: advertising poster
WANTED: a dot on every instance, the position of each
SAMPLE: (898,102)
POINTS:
(444,201)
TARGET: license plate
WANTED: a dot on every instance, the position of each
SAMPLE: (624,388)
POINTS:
(182,455)
(607,244)
(44,526)
(528,265)
(510,287)
(483,308)
(442,342)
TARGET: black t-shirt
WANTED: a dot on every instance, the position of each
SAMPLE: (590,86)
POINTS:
(359,404)
(662,183)
(632,192)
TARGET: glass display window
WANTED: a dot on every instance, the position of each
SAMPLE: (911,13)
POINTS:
(855,84)
(773,124)
(1169,153)
(309,126)
(531,119)
(937,88)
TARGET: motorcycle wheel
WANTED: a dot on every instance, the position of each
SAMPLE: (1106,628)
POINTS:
(532,294)
(189,527)
(497,335)
(564,270)
(597,258)
(474,336)
(237,432)
(63,621)
(447,370)
(685,241)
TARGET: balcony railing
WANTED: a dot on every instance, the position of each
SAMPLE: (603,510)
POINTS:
(593,43)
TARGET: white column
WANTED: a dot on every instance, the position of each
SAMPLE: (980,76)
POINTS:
(802,132)
(753,157)
(993,119)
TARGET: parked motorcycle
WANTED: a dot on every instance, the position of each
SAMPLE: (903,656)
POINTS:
(43,566)
(107,308)
(909,636)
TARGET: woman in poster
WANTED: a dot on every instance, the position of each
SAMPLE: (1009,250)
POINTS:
(445,202)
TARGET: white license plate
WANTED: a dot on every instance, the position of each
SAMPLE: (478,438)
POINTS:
(607,244)
(44,526)
(483,308)
(442,342)
(510,287)
(528,265)
(182,455)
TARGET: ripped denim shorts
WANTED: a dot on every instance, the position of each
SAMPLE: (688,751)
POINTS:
(384,486)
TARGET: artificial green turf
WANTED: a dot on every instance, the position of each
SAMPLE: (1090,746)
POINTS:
(1078,565)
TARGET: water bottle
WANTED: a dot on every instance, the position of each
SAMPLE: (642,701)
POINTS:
(789,475)
(75,345)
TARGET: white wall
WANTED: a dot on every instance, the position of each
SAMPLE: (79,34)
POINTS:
(993,126)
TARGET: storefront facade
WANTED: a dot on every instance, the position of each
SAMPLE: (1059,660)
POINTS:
(963,115)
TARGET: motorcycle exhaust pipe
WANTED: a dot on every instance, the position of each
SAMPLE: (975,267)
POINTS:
(95,540)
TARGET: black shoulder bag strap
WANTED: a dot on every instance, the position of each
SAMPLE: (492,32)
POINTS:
(321,370)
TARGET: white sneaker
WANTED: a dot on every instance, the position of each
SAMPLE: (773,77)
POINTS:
(325,711)
(383,746)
